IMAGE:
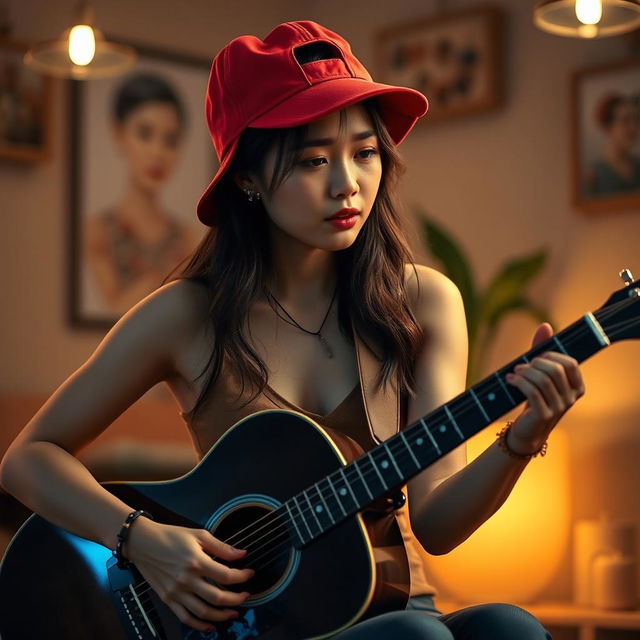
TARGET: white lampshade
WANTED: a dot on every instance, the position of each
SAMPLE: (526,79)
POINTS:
(611,17)
(103,58)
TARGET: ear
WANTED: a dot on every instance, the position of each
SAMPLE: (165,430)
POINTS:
(244,181)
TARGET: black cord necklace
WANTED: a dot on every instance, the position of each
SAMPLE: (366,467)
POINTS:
(323,340)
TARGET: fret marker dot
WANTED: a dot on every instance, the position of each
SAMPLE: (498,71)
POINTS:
(443,428)
(419,441)
(384,464)
(318,508)
(491,396)
(343,491)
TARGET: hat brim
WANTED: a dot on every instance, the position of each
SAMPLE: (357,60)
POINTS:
(400,109)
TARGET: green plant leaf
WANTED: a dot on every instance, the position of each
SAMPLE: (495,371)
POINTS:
(506,291)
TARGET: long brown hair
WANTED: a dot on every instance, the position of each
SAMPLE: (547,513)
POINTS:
(233,261)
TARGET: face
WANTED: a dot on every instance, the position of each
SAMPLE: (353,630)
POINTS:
(624,127)
(336,169)
(149,139)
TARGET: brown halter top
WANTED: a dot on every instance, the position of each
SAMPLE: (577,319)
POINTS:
(363,415)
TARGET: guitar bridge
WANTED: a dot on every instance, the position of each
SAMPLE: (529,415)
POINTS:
(139,618)
(135,607)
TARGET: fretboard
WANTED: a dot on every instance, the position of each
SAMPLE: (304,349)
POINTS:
(391,464)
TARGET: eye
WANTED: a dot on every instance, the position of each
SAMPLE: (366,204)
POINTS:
(373,152)
(144,132)
(171,140)
(308,163)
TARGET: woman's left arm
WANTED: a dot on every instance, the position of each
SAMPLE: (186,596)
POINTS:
(450,499)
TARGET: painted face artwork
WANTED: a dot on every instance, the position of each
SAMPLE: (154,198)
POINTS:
(149,140)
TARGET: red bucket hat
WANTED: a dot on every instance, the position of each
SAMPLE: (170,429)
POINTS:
(255,83)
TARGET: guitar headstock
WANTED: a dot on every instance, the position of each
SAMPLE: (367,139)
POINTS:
(619,316)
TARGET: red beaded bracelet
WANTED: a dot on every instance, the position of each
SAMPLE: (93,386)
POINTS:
(123,563)
(502,443)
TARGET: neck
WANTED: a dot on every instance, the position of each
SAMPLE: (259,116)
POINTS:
(138,203)
(302,276)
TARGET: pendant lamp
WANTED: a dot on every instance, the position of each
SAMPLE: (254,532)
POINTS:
(587,18)
(81,52)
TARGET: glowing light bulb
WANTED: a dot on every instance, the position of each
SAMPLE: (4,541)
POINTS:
(589,11)
(82,44)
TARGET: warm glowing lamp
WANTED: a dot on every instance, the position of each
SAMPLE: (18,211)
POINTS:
(81,52)
(514,555)
(587,18)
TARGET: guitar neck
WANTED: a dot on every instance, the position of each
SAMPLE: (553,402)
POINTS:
(391,464)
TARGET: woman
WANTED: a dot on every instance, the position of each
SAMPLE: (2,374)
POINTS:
(132,244)
(618,170)
(302,132)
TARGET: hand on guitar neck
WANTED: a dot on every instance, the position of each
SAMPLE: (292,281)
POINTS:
(551,382)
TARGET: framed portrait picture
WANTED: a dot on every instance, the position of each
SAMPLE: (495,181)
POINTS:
(453,58)
(25,107)
(605,120)
(140,157)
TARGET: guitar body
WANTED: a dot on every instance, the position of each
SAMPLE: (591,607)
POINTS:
(58,586)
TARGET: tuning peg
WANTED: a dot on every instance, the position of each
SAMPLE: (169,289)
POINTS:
(627,276)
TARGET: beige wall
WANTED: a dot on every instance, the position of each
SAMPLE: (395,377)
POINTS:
(500,181)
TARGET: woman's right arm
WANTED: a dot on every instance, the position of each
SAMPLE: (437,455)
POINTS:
(41,470)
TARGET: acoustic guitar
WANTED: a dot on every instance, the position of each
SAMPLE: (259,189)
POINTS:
(314,511)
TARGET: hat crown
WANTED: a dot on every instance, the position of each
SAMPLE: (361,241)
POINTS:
(272,83)
(250,76)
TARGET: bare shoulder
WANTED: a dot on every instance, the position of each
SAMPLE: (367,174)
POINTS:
(181,307)
(138,352)
(433,295)
(184,299)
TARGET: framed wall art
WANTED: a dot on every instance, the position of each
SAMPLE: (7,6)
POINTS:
(140,156)
(25,107)
(605,137)
(453,58)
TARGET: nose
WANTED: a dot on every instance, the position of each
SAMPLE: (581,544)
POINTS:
(343,181)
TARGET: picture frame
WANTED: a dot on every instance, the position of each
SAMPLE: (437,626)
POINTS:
(25,107)
(605,125)
(140,156)
(453,58)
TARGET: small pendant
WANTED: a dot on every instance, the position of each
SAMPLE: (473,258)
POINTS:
(326,346)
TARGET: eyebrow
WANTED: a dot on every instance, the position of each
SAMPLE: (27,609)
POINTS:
(324,142)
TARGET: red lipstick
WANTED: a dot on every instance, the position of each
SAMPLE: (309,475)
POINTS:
(343,213)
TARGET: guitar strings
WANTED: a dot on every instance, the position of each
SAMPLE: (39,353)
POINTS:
(285,548)
(402,452)
(580,330)
(464,406)
(402,449)
(614,330)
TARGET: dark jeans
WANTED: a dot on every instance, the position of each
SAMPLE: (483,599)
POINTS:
(422,621)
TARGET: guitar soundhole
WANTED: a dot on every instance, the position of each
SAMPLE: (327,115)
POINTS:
(266,539)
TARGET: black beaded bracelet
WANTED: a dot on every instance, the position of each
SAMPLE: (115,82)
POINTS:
(123,563)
